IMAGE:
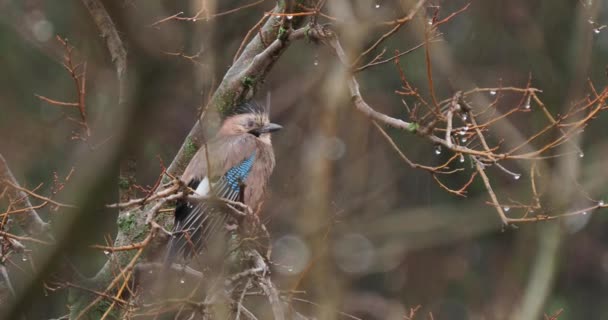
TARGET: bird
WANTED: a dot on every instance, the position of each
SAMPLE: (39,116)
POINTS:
(235,165)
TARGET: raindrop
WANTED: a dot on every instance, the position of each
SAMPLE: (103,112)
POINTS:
(527,106)
(106,252)
(431,22)
(601,203)
(462,131)
(591,21)
(377,5)
(464,139)
(461,158)
(596,30)
(150,272)
(517,176)
(193,19)
(438,150)
(24,258)
(506,209)
(584,212)
(465,117)
(493,92)
(182,281)
(316,62)
(581,155)
(289,17)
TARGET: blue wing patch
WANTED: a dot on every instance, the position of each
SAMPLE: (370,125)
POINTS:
(237,174)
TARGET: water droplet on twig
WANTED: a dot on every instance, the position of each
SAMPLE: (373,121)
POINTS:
(601,203)
(517,176)
(461,158)
(438,150)
(506,209)
(464,117)
(527,106)
(106,252)
(377,5)
(289,17)
(493,92)
(581,155)
(584,212)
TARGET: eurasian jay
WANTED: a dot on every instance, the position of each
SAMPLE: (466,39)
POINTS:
(241,160)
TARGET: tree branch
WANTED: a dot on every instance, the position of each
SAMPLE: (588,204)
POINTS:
(29,220)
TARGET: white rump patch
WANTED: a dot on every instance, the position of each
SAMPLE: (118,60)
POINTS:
(203,188)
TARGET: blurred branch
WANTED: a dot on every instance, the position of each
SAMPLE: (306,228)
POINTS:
(116,48)
(540,279)
(118,53)
(29,220)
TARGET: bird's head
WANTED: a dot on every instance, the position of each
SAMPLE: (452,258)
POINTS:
(250,118)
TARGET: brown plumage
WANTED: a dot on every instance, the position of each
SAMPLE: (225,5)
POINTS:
(241,160)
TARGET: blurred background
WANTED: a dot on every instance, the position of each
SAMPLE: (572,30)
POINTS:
(352,225)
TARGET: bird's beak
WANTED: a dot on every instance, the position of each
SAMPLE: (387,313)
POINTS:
(271,127)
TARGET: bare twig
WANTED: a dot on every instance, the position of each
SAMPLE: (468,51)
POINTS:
(29,220)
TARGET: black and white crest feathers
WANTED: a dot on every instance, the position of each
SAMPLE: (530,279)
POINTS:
(251,107)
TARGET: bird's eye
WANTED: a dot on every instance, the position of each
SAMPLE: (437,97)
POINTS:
(250,124)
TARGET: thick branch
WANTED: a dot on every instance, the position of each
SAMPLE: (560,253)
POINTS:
(239,83)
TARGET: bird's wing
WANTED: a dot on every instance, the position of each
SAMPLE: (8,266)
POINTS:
(231,159)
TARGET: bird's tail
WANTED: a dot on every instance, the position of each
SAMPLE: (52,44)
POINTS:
(182,210)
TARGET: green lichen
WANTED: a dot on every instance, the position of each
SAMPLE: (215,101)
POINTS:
(126,222)
(248,81)
(306,33)
(142,234)
(413,127)
(282,33)
(124,183)
(189,148)
(225,103)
